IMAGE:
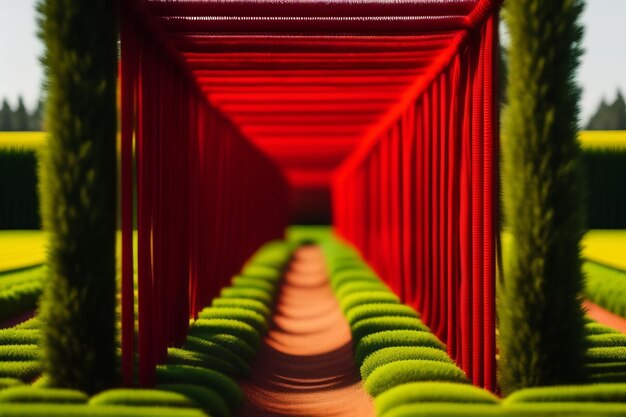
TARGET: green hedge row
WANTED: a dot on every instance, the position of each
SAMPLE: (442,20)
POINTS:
(409,373)
(20,291)
(198,378)
(605,173)
(606,287)
(19,203)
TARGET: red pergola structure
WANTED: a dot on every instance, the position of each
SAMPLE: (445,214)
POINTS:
(390,106)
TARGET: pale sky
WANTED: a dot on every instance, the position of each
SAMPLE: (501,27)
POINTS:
(603,66)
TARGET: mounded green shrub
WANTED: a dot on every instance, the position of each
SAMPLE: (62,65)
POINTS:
(142,398)
(366,327)
(19,352)
(262,271)
(203,327)
(19,336)
(220,383)
(232,343)
(594,328)
(244,303)
(607,367)
(209,400)
(217,350)
(10,382)
(607,340)
(24,370)
(606,287)
(368,311)
(82,410)
(599,393)
(42,395)
(606,354)
(432,392)
(255,283)
(368,297)
(250,293)
(360,286)
(400,353)
(603,377)
(397,373)
(393,338)
(177,356)
(247,316)
(32,323)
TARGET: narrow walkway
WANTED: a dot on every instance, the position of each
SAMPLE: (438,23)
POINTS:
(305,366)
(605,317)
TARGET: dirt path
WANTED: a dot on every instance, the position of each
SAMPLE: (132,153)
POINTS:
(305,366)
(605,317)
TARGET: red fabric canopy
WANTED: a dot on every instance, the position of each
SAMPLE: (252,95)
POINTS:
(391,102)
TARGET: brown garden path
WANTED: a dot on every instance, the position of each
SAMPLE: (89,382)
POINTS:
(605,317)
(305,366)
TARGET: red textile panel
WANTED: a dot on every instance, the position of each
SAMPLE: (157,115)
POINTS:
(419,199)
(201,191)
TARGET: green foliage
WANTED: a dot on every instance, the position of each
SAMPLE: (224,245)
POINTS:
(220,383)
(366,327)
(142,397)
(223,351)
(540,317)
(605,176)
(605,354)
(597,328)
(250,293)
(359,286)
(447,410)
(606,287)
(432,392)
(607,340)
(368,311)
(176,356)
(368,297)
(255,283)
(24,370)
(262,271)
(72,410)
(205,398)
(401,372)
(393,338)
(247,316)
(78,183)
(598,393)
(245,303)
(10,382)
(19,336)
(203,327)
(42,395)
(401,353)
(604,377)
(19,352)
(19,205)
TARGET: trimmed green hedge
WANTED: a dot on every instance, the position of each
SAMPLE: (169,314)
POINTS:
(255,283)
(24,370)
(351,301)
(19,336)
(176,356)
(393,374)
(42,395)
(391,338)
(432,392)
(249,293)
(142,398)
(19,353)
(572,393)
(203,328)
(70,410)
(206,398)
(247,316)
(372,325)
(606,287)
(245,303)
(401,353)
(184,374)
(10,382)
(218,350)
(20,291)
(368,311)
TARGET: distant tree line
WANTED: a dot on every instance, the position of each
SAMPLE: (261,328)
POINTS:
(609,116)
(20,119)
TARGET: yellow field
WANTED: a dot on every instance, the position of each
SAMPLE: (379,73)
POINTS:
(607,247)
(22,140)
(603,139)
(21,248)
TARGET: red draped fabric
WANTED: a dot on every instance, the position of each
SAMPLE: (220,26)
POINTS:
(206,198)
(419,199)
(388,106)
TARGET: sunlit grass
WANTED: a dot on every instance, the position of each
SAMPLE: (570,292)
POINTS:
(22,140)
(603,139)
(21,248)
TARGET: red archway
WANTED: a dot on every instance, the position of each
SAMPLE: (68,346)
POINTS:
(389,105)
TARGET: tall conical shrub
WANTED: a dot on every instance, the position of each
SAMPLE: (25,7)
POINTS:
(540,315)
(78,192)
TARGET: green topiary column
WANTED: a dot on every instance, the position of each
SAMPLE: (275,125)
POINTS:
(78,188)
(540,317)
